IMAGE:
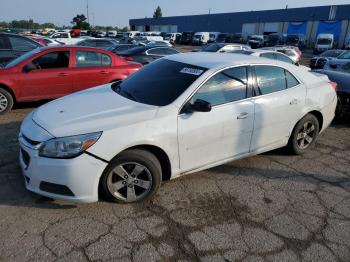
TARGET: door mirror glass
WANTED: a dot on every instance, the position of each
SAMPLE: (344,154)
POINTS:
(198,105)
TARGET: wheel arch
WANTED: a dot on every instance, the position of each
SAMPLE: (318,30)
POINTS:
(319,117)
(159,153)
(8,89)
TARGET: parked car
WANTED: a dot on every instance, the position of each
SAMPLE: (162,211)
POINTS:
(221,38)
(120,48)
(51,72)
(213,36)
(172,37)
(13,46)
(98,43)
(176,116)
(273,40)
(112,34)
(293,52)
(147,54)
(158,43)
(186,38)
(65,38)
(267,54)
(222,48)
(319,61)
(237,38)
(324,42)
(298,40)
(200,38)
(256,41)
(338,71)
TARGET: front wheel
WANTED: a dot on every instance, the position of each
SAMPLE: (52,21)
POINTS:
(304,135)
(135,175)
(6,101)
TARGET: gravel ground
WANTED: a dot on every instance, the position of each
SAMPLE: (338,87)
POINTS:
(272,207)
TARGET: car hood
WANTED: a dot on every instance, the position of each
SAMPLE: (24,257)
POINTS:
(92,110)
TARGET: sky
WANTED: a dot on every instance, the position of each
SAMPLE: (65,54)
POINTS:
(118,12)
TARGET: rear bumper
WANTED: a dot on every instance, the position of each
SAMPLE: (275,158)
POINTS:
(328,113)
(343,107)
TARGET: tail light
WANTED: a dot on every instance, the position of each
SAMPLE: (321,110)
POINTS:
(334,85)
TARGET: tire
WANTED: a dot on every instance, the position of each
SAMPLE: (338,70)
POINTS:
(304,135)
(6,101)
(119,183)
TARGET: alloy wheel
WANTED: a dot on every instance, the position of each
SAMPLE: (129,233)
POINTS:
(3,102)
(306,135)
(129,181)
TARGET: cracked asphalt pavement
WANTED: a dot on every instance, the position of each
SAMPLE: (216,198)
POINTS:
(272,207)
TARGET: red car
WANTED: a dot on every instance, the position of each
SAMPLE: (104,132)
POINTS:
(52,72)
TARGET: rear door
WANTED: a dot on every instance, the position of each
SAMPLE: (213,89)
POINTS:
(279,101)
(92,68)
(50,76)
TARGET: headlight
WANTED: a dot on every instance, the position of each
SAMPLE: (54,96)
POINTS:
(68,147)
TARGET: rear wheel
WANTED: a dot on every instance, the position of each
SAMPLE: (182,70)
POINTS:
(6,101)
(133,176)
(304,135)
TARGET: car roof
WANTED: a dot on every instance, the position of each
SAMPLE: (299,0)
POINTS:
(87,48)
(219,60)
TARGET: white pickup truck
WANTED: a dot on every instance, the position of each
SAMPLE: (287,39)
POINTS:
(66,38)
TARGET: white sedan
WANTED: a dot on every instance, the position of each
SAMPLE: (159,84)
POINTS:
(178,115)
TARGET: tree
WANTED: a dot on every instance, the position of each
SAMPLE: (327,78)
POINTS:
(158,13)
(79,22)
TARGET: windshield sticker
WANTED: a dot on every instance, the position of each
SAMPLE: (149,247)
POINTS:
(191,71)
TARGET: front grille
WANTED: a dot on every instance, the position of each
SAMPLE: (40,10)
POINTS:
(25,157)
(55,189)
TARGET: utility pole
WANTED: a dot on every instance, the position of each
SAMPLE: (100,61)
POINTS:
(87,10)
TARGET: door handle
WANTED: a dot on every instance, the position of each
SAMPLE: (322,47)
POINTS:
(62,74)
(103,72)
(294,102)
(243,115)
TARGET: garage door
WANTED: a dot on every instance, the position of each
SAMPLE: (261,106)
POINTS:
(271,27)
(248,29)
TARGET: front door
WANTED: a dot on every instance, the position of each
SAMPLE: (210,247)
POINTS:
(47,76)
(225,131)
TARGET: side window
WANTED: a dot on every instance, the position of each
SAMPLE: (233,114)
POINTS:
(170,51)
(291,80)
(268,55)
(225,87)
(106,60)
(21,44)
(92,59)
(157,51)
(4,42)
(52,60)
(270,79)
(284,58)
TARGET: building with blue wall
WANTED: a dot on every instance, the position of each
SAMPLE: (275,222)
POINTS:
(309,21)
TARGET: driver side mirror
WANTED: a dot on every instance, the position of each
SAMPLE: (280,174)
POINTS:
(334,66)
(198,105)
(28,68)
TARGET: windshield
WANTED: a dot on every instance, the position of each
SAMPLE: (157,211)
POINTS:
(211,48)
(324,41)
(23,57)
(345,55)
(197,36)
(159,83)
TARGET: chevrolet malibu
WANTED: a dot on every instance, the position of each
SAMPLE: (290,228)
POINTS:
(178,115)
(52,72)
